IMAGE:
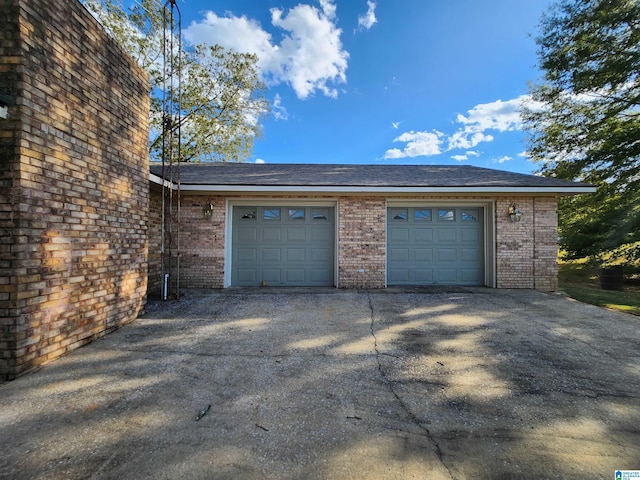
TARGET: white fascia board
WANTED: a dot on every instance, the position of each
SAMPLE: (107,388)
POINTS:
(378,190)
(158,181)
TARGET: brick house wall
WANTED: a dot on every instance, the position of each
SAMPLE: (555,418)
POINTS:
(362,242)
(525,252)
(154,285)
(74,199)
(203,249)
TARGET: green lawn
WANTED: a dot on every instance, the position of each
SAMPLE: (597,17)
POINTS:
(580,280)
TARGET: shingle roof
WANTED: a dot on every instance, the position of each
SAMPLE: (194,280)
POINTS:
(357,176)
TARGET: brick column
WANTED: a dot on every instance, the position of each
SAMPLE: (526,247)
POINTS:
(362,242)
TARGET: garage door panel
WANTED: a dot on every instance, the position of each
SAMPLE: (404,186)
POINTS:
(399,254)
(446,254)
(271,234)
(470,254)
(321,234)
(296,234)
(423,275)
(423,254)
(321,255)
(247,234)
(447,276)
(472,275)
(247,255)
(321,275)
(470,235)
(446,234)
(429,245)
(295,255)
(399,234)
(399,275)
(247,275)
(271,255)
(283,246)
(272,276)
(295,276)
(423,234)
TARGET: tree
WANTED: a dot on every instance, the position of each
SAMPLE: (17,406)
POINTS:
(222,95)
(584,118)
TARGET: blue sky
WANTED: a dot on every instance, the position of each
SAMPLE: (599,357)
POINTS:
(391,81)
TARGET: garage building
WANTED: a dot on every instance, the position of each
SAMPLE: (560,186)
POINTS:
(353,226)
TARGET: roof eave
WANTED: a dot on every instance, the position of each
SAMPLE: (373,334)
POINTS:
(305,189)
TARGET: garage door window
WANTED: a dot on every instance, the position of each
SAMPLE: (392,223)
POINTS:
(271,214)
(446,215)
(320,214)
(469,215)
(296,213)
(421,215)
(399,214)
(247,214)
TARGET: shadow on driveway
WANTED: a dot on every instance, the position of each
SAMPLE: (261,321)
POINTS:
(325,383)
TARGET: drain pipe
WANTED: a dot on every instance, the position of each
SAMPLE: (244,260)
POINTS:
(165,287)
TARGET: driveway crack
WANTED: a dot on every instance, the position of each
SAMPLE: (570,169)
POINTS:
(391,385)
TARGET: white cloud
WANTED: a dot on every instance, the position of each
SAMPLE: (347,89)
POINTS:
(329,8)
(279,112)
(504,159)
(309,56)
(463,140)
(467,154)
(473,129)
(418,144)
(369,19)
(259,160)
(498,115)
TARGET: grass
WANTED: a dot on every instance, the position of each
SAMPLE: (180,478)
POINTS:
(579,279)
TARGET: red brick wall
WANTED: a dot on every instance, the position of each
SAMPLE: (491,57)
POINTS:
(361,242)
(202,242)
(545,232)
(527,250)
(154,286)
(73,208)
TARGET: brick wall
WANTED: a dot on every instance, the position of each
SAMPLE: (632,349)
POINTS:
(526,251)
(202,244)
(154,286)
(545,232)
(361,242)
(73,207)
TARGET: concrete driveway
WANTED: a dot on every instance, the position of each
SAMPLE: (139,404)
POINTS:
(327,384)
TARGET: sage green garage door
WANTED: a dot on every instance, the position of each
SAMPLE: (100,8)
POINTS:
(435,246)
(283,246)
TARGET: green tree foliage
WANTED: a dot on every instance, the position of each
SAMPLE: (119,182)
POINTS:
(584,118)
(222,95)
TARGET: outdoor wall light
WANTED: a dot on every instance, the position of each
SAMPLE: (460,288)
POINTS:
(207,210)
(514,213)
